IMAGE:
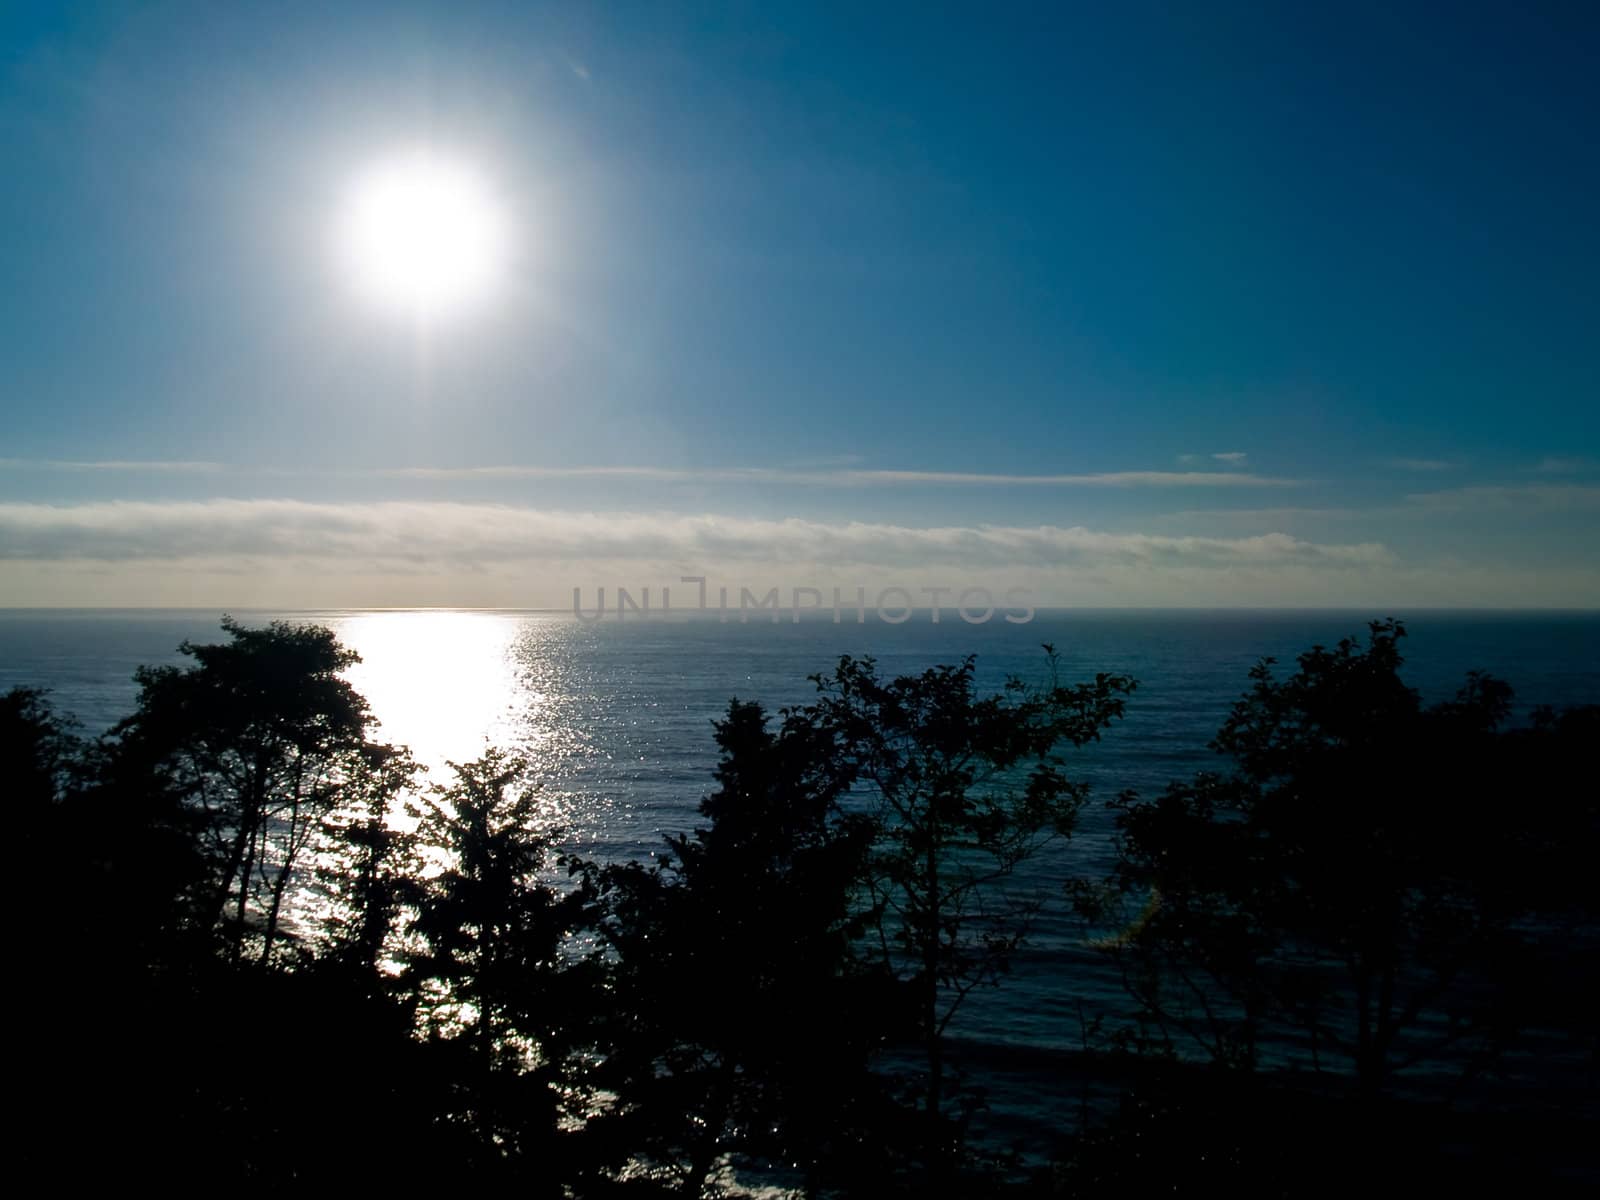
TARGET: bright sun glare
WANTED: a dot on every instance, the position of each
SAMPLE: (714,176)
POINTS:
(423,236)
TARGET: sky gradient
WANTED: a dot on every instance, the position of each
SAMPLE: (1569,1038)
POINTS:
(1138,304)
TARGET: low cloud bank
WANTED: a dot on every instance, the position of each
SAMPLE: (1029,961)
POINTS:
(295,554)
(452,535)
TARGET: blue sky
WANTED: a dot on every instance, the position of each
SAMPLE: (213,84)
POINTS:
(1134,304)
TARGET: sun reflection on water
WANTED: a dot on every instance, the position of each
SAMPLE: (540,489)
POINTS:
(442,683)
(450,685)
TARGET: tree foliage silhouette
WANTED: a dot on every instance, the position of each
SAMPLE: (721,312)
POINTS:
(38,747)
(1356,875)
(742,1027)
(489,972)
(260,736)
(962,789)
(368,865)
(40,754)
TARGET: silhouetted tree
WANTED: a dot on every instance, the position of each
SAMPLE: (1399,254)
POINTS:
(743,1025)
(39,757)
(962,789)
(1360,875)
(260,736)
(145,1052)
(112,865)
(492,974)
(38,749)
(368,863)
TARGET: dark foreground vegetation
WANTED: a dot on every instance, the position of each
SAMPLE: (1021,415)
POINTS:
(256,951)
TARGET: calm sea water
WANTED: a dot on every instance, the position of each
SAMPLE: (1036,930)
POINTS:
(616,719)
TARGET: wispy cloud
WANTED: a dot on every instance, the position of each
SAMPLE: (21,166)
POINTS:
(1282,515)
(130,465)
(1553,497)
(1231,457)
(826,473)
(851,477)
(1538,502)
(446,535)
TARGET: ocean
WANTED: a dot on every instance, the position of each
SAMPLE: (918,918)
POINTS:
(615,719)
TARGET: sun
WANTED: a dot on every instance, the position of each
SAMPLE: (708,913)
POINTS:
(423,236)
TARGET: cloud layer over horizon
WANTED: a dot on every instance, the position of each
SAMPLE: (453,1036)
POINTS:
(432,552)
